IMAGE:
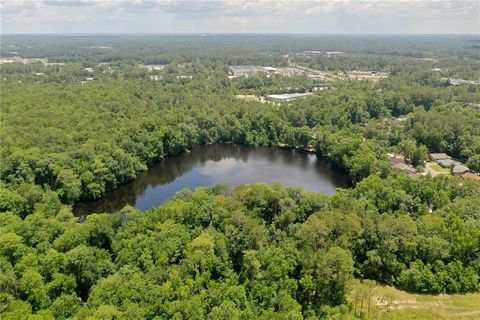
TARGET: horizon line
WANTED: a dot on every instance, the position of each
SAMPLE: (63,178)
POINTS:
(237,33)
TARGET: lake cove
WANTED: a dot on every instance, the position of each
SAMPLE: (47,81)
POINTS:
(217,164)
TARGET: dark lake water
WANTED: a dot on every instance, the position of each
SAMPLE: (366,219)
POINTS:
(215,164)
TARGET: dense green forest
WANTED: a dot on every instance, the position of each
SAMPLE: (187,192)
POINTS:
(256,251)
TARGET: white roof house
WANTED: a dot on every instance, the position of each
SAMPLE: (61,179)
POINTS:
(287,96)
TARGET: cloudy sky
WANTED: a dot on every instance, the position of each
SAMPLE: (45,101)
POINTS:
(243,16)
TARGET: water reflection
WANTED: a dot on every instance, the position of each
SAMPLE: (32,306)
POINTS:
(220,163)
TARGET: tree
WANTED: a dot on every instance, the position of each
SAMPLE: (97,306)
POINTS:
(88,265)
(328,277)
(474,163)
(33,289)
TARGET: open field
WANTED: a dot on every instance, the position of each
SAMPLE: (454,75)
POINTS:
(386,302)
(438,168)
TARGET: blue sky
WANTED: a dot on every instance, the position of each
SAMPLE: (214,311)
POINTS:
(241,16)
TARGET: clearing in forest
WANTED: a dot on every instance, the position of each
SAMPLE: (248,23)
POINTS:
(386,302)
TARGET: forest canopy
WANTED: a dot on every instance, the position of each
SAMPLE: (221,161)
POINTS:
(95,118)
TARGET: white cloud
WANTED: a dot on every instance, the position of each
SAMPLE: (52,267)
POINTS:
(259,7)
(379,7)
(69,3)
(431,16)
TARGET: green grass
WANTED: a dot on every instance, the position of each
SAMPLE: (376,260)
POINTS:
(389,303)
(438,168)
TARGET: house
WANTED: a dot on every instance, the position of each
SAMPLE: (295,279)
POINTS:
(471,175)
(460,169)
(310,149)
(446,163)
(439,156)
(394,159)
(398,161)
(405,167)
(89,70)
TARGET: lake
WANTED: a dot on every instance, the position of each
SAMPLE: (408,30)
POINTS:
(214,164)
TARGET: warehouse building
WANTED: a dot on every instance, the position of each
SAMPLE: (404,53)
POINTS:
(287,96)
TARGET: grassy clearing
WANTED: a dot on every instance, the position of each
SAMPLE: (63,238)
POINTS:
(389,303)
(438,168)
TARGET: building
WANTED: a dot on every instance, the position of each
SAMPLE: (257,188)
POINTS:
(238,71)
(471,175)
(446,163)
(310,149)
(10,53)
(309,53)
(405,167)
(396,159)
(335,53)
(153,67)
(439,156)
(288,71)
(89,70)
(287,96)
(270,69)
(460,169)
(360,75)
(246,97)
(318,77)
(459,82)
(54,63)
(313,53)
(246,71)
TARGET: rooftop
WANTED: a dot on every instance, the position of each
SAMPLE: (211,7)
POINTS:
(471,175)
(288,96)
(439,156)
(460,169)
(405,167)
(446,163)
(397,159)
